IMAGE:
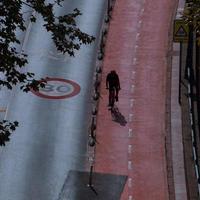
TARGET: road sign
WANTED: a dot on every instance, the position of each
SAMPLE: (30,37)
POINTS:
(58,88)
(181,31)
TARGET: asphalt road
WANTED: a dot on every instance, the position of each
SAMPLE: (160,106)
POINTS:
(52,136)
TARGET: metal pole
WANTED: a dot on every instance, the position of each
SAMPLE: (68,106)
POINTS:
(189,58)
(198,83)
(108,10)
(180,72)
(90,180)
(90,176)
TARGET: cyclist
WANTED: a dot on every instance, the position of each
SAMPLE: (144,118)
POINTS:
(113,84)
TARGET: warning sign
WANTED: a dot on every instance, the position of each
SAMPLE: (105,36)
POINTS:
(181,31)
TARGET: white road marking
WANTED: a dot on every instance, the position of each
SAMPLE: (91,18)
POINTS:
(130,165)
(132,88)
(130,117)
(130,147)
(131,102)
(129,182)
(130,132)
(137,36)
(134,61)
(130,197)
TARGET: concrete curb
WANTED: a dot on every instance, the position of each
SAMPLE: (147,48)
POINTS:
(176,125)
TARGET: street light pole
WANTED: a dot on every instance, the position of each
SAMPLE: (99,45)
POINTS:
(189,58)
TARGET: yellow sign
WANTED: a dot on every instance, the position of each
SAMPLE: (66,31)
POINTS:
(181,31)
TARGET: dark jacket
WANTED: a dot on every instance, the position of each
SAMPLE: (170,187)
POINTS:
(112,80)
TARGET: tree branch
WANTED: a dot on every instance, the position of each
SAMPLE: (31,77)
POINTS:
(27,4)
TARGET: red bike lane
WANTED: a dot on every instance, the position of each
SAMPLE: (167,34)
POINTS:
(137,47)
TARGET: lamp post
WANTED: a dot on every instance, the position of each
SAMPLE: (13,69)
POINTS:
(189,59)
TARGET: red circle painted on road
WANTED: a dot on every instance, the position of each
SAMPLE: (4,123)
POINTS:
(58,88)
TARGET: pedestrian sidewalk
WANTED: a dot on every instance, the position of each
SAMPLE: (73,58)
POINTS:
(176,123)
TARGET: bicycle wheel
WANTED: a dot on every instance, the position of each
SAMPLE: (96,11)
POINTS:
(112,98)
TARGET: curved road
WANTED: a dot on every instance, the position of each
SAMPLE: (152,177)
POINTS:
(52,136)
(137,48)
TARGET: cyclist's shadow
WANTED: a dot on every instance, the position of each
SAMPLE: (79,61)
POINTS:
(117,116)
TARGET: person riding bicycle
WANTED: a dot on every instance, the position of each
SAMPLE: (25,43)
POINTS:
(113,84)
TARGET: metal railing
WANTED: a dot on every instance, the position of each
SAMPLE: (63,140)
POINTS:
(92,141)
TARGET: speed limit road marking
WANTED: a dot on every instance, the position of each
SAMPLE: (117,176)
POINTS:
(58,88)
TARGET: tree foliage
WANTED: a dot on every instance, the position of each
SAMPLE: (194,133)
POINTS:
(191,16)
(65,33)
(6,128)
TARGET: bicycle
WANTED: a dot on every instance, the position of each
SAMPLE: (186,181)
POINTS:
(112,98)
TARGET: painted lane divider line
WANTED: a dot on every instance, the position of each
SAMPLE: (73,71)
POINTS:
(130,133)
(130,197)
(131,103)
(130,117)
(132,88)
(130,165)
(130,148)
(129,182)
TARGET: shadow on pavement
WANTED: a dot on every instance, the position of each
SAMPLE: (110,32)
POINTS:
(117,116)
(104,186)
